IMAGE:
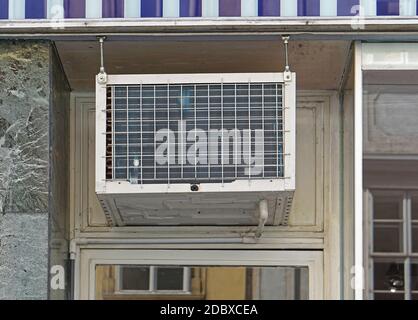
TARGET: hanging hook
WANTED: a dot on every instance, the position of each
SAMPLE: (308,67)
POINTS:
(287,73)
(102,76)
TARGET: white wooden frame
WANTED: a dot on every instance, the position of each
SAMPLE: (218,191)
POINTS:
(406,256)
(257,185)
(358,175)
(90,258)
(324,235)
(397,56)
(276,236)
(152,281)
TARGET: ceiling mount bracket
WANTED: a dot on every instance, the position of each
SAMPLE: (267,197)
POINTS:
(102,76)
(287,73)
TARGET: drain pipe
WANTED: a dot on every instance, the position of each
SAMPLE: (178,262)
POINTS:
(262,219)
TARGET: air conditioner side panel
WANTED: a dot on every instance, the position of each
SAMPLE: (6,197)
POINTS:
(100,137)
(290,133)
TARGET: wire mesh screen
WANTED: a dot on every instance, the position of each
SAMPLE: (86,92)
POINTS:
(194,133)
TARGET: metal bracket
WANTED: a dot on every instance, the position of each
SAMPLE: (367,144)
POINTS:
(287,73)
(262,219)
(102,76)
(73,249)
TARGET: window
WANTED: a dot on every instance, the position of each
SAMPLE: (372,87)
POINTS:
(394,245)
(153,280)
(202,282)
(390,171)
(211,274)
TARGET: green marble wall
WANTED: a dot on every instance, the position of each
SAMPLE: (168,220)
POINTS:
(24,123)
(32,209)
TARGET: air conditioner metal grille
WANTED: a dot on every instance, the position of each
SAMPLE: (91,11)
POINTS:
(194,133)
(196,149)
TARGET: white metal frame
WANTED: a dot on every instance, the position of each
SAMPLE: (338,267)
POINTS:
(85,276)
(262,185)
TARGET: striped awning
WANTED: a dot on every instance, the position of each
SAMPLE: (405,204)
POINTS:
(96,9)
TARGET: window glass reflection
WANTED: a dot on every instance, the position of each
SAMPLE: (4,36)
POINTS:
(117,282)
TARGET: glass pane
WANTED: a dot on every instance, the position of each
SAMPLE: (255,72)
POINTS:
(414,276)
(388,276)
(392,108)
(414,213)
(390,122)
(134,278)
(415,237)
(387,206)
(414,296)
(271,283)
(388,237)
(170,278)
(211,283)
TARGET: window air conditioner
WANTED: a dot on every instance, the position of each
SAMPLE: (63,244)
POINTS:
(195,149)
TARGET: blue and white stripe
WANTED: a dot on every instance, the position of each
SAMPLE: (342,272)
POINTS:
(408,8)
(97,9)
(132,9)
(210,8)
